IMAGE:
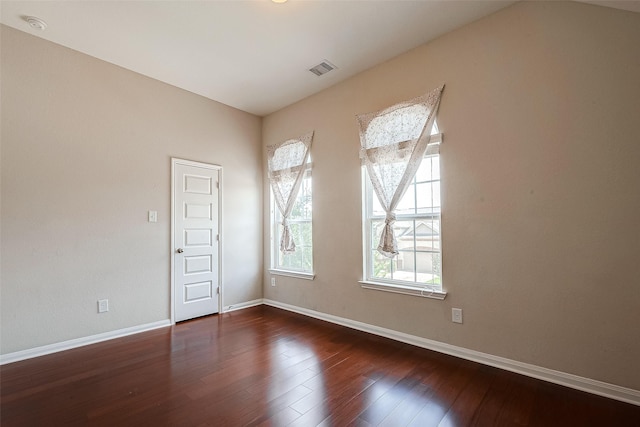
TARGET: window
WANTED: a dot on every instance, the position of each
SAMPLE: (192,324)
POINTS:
(418,266)
(290,178)
(300,262)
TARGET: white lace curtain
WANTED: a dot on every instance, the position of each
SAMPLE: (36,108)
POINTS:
(287,163)
(394,142)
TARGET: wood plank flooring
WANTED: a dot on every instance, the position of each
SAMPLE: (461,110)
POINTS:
(267,367)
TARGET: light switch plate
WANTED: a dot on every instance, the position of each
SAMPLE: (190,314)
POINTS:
(456,315)
(103,305)
(153,216)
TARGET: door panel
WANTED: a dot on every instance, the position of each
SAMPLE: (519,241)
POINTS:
(197,264)
(197,237)
(196,240)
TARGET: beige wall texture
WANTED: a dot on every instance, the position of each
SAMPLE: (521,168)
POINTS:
(86,152)
(540,188)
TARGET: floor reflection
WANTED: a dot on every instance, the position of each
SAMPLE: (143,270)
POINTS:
(296,385)
(401,402)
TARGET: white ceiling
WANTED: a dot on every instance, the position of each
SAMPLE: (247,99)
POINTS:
(252,55)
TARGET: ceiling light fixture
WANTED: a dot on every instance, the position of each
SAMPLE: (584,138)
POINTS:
(279,1)
(35,23)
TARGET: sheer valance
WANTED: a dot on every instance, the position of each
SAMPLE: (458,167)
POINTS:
(394,142)
(287,163)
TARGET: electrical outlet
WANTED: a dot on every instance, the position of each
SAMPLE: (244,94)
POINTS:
(273,281)
(456,315)
(103,305)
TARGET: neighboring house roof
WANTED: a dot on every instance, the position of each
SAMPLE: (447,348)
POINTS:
(423,229)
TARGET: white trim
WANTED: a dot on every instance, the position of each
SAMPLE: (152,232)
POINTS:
(297,274)
(173,241)
(568,380)
(175,161)
(406,290)
(80,342)
(365,238)
(220,242)
(243,305)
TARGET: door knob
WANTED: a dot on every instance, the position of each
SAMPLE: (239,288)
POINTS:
(180,250)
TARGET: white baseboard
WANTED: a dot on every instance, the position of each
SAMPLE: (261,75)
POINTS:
(569,380)
(242,305)
(79,342)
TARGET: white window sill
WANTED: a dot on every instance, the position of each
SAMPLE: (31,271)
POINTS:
(296,274)
(402,289)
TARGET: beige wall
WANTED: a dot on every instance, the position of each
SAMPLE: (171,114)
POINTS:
(541,189)
(86,149)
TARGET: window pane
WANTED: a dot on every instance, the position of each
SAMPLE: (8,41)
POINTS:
(425,202)
(304,234)
(301,233)
(302,258)
(429,198)
(295,232)
(381,265)
(307,258)
(301,229)
(292,261)
(376,232)
(278,231)
(424,171)
(429,169)
(436,244)
(427,234)
(424,262)
(404,231)
(405,266)
(407,204)
(302,207)
(418,237)
(435,167)
(377,207)
(429,267)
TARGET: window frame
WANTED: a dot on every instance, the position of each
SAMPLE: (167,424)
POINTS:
(393,285)
(275,237)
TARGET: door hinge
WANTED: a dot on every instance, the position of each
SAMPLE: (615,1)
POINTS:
(217,237)
(217,184)
(218,290)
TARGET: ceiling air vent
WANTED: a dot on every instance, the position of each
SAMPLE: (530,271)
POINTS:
(322,68)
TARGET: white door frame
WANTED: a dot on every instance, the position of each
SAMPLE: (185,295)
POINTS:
(174,162)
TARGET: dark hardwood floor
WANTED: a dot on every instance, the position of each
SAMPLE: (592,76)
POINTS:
(265,366)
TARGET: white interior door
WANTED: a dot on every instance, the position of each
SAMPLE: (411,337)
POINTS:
(196,239)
